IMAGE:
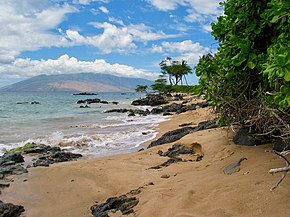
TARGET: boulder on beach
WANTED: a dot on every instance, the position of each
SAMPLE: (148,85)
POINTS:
(151,100)
(10,210)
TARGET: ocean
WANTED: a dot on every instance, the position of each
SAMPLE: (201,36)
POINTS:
(55,118)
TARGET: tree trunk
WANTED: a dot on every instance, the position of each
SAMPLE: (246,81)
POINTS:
(185,80)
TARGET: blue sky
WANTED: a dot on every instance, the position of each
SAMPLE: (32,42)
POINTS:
(119,37)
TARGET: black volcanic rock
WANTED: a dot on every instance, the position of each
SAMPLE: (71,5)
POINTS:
(89,101)
(245,136)
(84,94)
(10,210)
(177,134)
(10,164)
(132,112)
(151,100)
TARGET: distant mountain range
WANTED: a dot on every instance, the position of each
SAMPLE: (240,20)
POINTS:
(82,82)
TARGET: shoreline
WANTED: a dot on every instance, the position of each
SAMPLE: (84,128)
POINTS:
(188,188)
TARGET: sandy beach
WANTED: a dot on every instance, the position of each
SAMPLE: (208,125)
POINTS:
(184,189)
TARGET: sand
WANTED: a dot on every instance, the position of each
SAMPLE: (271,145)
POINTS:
(184,189)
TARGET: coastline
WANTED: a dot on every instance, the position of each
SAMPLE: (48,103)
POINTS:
(182,189)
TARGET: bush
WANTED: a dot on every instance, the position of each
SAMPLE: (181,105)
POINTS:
(248,80)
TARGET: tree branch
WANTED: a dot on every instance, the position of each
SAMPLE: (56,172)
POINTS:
(282,169)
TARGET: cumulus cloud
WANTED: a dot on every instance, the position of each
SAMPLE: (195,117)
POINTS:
(113,38)
(187,50)
(24,68)
(27,24)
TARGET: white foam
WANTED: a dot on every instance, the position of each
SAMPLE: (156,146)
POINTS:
(93,144)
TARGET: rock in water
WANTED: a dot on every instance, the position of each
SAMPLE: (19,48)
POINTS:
(233,167)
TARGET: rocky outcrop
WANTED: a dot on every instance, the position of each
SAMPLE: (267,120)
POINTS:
(94,101)
(84,94)
(173,153)
(174,107)
(124,203)
(55,157)
(10,165)
(10,210)
(246,136)
(178,108)
(171,136)
(46,155)
(12,158)
(151,100)
(89,101)
(176,150)
(177,134)
(132,112)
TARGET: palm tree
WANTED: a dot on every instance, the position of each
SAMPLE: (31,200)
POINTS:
(175,69)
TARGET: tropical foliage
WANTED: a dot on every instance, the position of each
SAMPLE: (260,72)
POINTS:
(175,70)
(141,88)
(248,79)
(160,85)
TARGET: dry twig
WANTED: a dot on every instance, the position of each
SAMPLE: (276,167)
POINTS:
(282,169)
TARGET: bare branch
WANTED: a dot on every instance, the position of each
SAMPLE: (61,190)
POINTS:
(279,182)
(279,170)
(282,169)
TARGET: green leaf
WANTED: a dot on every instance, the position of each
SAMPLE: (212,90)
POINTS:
(287,76)
(275,19)
(251,65)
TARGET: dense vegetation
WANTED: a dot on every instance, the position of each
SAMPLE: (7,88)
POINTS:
(248,79)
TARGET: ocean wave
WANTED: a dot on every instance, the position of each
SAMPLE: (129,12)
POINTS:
(135,120)
(92,144)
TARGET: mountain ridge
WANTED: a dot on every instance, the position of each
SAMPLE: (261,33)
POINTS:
(83,82)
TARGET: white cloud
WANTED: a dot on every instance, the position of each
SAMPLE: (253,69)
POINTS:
(117,21)
(112,38)
(156,49)
(104,10)
(187,50)
(24,68)
(207,28)
(144,33)
(166,5)
(86,2)
(27,25)
(118,39)
(198,10)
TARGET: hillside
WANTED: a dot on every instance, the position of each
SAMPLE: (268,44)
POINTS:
(82,82)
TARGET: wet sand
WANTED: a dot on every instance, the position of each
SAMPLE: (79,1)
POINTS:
(184,189)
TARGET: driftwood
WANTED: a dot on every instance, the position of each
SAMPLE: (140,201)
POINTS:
(281,169)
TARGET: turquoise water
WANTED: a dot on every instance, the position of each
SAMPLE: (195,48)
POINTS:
(59,120)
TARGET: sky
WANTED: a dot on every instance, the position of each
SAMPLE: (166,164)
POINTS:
(119,37)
